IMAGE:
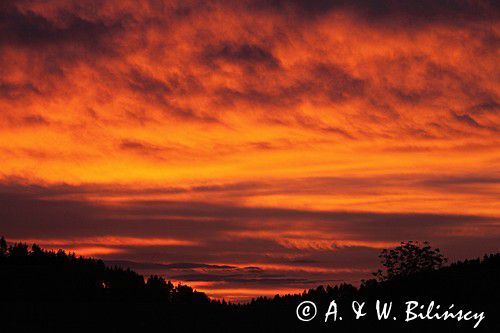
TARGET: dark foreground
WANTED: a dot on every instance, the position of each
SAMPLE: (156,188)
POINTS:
(42,290)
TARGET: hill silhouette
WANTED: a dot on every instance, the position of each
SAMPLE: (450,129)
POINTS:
(48,290)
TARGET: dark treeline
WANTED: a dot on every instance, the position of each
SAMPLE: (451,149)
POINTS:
(32,274)
(47,290)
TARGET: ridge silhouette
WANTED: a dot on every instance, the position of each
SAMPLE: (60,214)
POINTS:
(53,290)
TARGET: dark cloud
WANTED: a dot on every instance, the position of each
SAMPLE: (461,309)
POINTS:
(30,29)
(142,148)
(145,265)
(53,44)
(17,91)
(35,119)
(416,97)
(146,84)
(323,84)
(245,279)
(318,125)
(490,106)
(162,93)
(485,185)
(241,54)
(250,95)
(337,83)
(326,186)
(234,187)
(179,219)
(465,118)
(463,180)
(469,121)
(405,12)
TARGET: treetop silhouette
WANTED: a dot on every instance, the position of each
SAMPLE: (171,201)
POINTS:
(409,258)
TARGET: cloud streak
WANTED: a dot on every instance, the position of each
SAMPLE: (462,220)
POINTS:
(217,246)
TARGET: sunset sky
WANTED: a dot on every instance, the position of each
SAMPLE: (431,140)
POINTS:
(250,147)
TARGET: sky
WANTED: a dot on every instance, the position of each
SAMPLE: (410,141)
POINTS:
(250,147)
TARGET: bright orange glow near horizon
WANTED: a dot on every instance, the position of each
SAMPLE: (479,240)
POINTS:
(284,134)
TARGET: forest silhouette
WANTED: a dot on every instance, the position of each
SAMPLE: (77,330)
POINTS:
(57,291)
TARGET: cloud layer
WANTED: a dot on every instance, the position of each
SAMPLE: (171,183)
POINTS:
(230,250)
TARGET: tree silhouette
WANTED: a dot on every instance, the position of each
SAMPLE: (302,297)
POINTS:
(3,247)
(158,288)
(408,258)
